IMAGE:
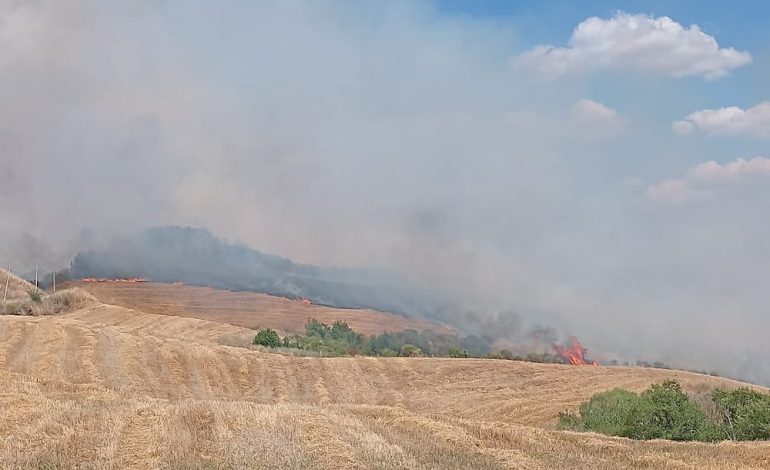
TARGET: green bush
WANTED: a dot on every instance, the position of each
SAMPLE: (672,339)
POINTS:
(664,411)
(387,352)
(410,350)
(268,337)
(35,295)
(746,413)
(607,413)
(457,352)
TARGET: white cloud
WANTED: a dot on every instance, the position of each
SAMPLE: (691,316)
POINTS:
(636,42)
(705,179)
(729,121)
(682,127)
(594,119)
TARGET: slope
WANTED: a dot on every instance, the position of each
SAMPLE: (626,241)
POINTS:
(109,387)
(246,309)
(18,288)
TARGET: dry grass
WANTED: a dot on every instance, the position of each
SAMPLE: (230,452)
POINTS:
(107,387)
(48,304)
(25,299)
(18,288)
(246,309)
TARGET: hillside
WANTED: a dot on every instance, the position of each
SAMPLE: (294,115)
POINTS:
(109,387)
(197,257)
(245,309)
(18,288)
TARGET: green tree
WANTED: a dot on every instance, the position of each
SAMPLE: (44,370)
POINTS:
(746,413)
(410,350)
(267,337)
(457,352)
(665,412)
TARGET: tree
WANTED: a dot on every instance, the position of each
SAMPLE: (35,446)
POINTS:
(456,352)
(267,337)
(410,350)
(506,354)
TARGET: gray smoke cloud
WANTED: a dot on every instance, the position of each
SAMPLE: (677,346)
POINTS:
(381,134)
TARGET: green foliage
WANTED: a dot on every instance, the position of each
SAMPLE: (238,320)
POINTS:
(268,337)
(387,352)
(607,413)
(339,339)
(456,352)
(664,411)
(746,413)
(410,350)
(35,295)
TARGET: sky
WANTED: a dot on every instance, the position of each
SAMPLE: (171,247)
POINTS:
(601,164)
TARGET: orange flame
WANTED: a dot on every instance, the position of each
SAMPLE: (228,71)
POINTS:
(130,280)
(574,352)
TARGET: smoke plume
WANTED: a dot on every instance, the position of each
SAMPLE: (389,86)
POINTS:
(375,136)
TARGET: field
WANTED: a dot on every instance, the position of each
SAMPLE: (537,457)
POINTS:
(110,387)
(246,309)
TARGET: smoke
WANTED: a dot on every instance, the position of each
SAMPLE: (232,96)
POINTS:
(373,135)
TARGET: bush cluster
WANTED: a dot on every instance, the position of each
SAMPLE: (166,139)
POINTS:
(665,411)
(339,339)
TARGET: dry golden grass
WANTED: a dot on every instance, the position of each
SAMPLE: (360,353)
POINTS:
(19,298)
(18,288)
(108,387)
(246,309)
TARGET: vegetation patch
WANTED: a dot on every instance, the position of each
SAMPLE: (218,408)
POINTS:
(665,411)
(339,339)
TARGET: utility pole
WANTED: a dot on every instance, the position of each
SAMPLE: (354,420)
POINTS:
(7,279)
(54,282)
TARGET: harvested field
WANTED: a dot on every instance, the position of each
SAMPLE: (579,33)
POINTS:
(107,387)
(245,309)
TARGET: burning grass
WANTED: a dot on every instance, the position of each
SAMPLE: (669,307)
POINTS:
(574,353)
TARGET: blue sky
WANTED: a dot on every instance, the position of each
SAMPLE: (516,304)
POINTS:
(620,185)
(742,25)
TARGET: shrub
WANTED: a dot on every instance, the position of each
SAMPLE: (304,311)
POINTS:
(35,295)
(41,304)
(267,337)
(387,352)
(457,352)
(410,350)
(63,301)
(505,354)
(664,411)
(746,413)
(607,413)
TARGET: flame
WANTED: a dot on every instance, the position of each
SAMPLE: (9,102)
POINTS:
(574,352)
(304,301)
(130,280)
